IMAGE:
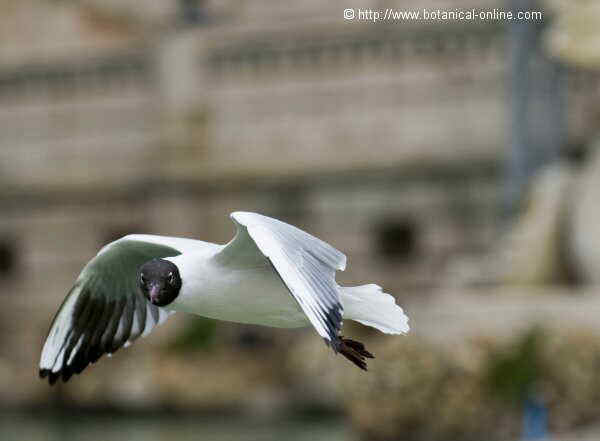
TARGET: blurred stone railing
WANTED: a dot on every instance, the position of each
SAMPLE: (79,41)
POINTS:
(270,50)
(85,75)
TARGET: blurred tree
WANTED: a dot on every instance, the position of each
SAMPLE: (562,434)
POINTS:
(513,372)
(199,334)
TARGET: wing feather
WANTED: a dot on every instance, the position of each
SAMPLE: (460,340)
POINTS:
(104,311)
(305,264)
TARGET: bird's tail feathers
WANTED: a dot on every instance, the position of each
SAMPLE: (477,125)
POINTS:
(369,305)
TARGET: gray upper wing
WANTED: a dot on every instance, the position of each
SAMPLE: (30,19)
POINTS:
(104,310)
(305,264)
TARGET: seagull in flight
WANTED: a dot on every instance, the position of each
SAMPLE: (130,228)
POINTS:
(270,274)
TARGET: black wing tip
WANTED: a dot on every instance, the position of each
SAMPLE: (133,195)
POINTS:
(52,376)
(334,327)
(65,373)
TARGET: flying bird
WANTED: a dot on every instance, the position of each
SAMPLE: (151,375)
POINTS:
(270,273)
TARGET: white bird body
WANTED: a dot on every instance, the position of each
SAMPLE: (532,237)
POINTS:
(253,295)
(269,274)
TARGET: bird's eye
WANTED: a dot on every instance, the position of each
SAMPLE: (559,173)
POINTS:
(171,278)
(142,279)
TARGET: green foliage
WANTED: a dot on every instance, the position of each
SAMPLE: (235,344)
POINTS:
(198,335)
(512,372)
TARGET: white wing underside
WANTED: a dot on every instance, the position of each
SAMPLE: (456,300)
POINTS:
(305,264)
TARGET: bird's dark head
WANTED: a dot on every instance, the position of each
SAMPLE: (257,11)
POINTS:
(159,281)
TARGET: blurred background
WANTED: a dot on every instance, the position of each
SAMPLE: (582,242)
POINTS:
(456,163)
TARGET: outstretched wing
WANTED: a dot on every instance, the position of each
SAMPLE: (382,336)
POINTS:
(305,264)
(104,310)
